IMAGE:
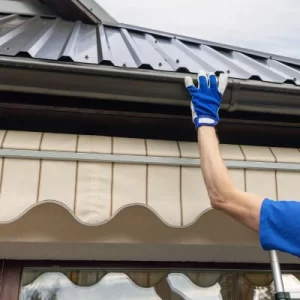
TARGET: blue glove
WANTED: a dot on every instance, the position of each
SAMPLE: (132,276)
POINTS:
(206,98)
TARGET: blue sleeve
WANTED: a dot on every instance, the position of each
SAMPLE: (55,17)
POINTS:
(280,226)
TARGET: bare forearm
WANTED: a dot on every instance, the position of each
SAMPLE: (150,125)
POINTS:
(215,173)
(242,206)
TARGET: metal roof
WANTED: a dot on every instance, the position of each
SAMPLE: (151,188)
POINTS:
(128,47)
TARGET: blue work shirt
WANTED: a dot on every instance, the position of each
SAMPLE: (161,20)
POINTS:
(280,226)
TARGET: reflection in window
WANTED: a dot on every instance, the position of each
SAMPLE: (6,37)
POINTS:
(75,284)
(183,286)
(57,286)
(290,282)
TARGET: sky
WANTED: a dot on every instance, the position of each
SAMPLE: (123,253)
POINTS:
(271,26)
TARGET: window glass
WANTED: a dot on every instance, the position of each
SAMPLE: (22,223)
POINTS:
(75,284)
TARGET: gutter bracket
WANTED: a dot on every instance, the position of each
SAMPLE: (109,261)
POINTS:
(233,102)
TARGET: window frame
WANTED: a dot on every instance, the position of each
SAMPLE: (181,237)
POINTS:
(11,270)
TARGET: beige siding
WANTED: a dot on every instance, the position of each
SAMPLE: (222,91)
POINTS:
(59,142)
(58,182)
(2,135)
(129,146)
(286,155)
(195,199)
(93,197)
(238,178)
(255,153)
(22,140)
(96,191)
(164,192)
(261,182)
(288,184)
(19,187)
(162,148)
(94,143)
(189,149)
(129,185)
(231,152)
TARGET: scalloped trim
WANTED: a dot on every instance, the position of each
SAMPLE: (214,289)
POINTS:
(117,212)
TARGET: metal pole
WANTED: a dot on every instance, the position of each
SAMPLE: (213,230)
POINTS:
(276,272)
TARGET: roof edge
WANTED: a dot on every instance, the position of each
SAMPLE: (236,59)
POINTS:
(157,87)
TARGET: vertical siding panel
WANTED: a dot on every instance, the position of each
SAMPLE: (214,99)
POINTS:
(287,182)
(19,186)
(231,152)
(238,178)
(129,185)
(195,199)
(93,191)
(129,181)
(129,146)
(257,153)
(59,142)
(94,143)
(189,149)
(93,201)
(286,155)
(58,182)
(20,176)
(2,135)
(57,179)
(261,182)
(1,173)
(162,148)
(288,185)
(164,192)
(22,140)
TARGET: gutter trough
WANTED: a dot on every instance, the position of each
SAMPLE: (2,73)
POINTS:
(144,86)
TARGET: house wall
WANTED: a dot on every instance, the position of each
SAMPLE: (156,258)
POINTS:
(78,198)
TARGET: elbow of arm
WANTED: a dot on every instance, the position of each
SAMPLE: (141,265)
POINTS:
(220,197)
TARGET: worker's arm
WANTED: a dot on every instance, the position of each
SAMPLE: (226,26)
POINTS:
(224,196)
(278,222)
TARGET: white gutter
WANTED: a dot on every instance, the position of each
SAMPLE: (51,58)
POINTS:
(140,159)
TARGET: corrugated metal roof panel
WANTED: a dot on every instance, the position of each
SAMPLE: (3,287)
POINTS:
(56,39)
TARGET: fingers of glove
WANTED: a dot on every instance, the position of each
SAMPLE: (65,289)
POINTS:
(212,81)
(202,80)
(188,81)
(223,80)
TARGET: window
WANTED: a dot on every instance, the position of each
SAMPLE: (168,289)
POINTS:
(92,284)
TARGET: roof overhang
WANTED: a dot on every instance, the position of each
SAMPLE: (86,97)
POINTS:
(155,101)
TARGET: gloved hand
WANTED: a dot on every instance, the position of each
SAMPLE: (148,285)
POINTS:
(206,98)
